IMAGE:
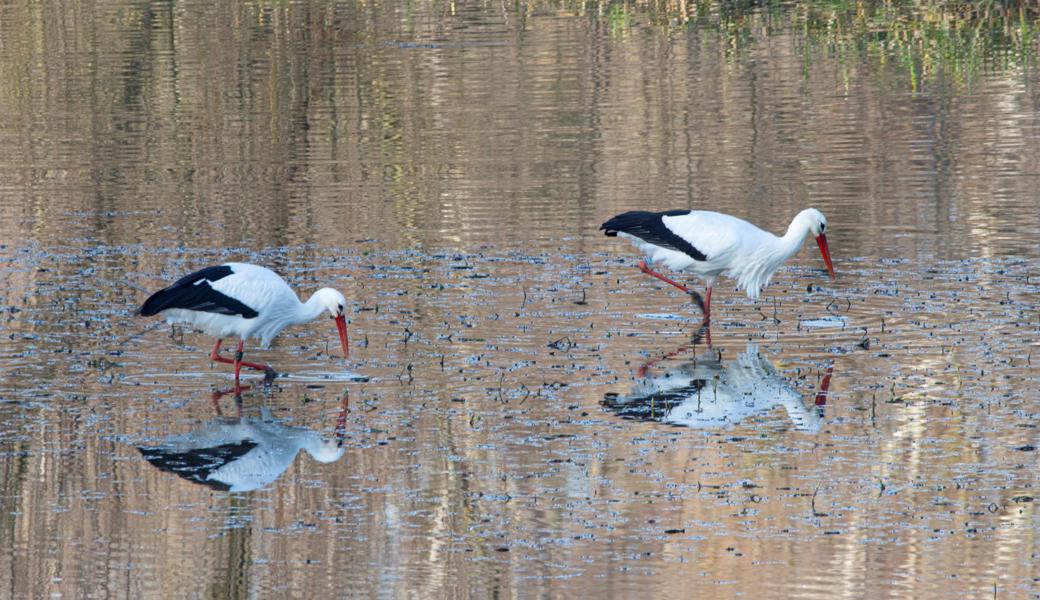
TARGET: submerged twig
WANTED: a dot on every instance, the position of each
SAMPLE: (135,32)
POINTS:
(813,503)
(835,302)
(563,343)
(128,283)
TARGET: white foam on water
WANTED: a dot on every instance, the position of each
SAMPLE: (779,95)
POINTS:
(666,317)
(322,376)
(823,322)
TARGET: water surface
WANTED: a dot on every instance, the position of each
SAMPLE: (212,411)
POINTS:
(447,166)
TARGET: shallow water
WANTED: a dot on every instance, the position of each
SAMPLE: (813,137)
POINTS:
(527,414)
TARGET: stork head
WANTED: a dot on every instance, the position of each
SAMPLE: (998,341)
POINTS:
(324,450)
(815,220)
(334,302)
(817,224)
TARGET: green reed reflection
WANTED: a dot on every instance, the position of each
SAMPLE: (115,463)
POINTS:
(925,39)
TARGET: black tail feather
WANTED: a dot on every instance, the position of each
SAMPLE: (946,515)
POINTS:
(631,220)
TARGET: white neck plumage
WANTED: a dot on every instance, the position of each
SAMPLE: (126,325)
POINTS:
(755,272)
(789,244)
(288,311)
(306,312)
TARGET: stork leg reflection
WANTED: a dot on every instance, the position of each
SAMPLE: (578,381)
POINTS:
(237,391)
(702,334)
(825,384)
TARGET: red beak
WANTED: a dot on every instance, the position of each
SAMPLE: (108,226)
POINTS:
(821,240)
(341,325)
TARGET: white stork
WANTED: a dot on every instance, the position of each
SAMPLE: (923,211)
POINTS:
(712,244)
(244,301)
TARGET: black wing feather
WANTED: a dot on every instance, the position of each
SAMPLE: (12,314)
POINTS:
(649,227)
(196,465)
(652,407)
(194,292)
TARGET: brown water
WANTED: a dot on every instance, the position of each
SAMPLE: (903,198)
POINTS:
(447,166)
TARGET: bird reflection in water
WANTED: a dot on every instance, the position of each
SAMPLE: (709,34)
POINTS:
(707,393)
(241,454)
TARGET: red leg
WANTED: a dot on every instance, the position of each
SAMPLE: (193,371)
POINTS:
(216,357)
(238,361)
(696,297)
(644,268)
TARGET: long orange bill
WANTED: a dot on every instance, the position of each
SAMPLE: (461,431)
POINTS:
(821,240)
(341,325)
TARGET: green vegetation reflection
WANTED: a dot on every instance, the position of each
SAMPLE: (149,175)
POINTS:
(926,39)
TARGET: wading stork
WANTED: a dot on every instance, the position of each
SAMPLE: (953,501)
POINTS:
(244,301)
